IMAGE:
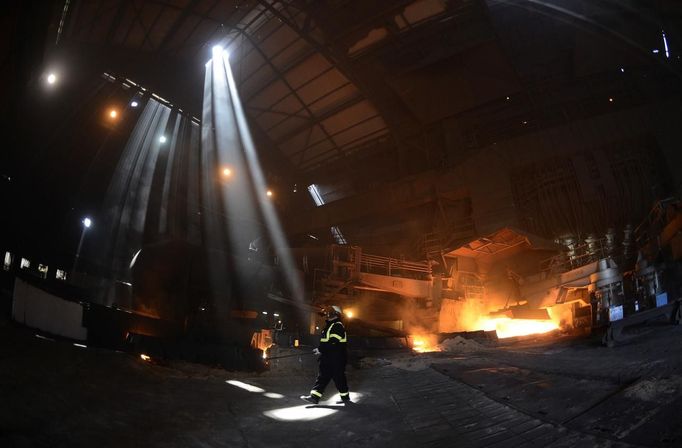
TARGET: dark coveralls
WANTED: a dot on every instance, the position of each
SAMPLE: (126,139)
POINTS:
(332,359)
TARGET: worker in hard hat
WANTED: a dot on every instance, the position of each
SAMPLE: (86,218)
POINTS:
(332,358)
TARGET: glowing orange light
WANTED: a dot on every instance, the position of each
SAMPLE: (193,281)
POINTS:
(349,313)
(145,357)
(425,343)
(113,113)
(227,172)
(269,193)
(509,328)
(265,354)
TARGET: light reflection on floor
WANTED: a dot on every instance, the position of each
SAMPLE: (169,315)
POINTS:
(273,395)
(252,388)
(245,386)
(304,412)
(309,412)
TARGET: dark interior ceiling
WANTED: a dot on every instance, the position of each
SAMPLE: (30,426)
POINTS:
(324,79)
(348,93)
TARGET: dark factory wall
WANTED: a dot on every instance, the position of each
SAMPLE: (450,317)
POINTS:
(597,173)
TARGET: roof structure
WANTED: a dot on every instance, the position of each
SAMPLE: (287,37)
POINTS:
(322,80)
(358,96)
(295,88)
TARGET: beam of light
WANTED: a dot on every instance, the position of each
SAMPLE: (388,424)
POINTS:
(213,226)
(80,345)
(245,386)
(166,170)
(87,222)
(153,195)
(267,209)
(309,412)
(127,204)
(231,222)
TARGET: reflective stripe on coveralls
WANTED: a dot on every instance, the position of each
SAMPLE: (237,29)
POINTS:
(326,339)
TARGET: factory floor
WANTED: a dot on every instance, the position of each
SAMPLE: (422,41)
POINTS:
(544,392)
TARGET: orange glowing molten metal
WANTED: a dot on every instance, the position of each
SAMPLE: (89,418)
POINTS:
(509,328)
(425,343)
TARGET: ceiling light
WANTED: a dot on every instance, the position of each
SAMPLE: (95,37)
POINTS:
(217,50)
(162,139)
(134,104)
(51,78)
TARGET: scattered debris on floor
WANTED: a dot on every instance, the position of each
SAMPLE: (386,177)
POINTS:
(460,344)
(656,389)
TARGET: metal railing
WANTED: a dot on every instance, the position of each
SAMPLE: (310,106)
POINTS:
(392,266)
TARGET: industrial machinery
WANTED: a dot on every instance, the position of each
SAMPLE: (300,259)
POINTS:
(518,283)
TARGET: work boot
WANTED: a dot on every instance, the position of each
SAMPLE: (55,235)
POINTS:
(312,399)
(345,399)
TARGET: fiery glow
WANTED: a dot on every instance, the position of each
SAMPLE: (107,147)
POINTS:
(349,314)
(423,343)
(145,357)
(509,328)
(265,354)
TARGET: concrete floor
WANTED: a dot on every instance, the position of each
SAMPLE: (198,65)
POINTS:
(562,392)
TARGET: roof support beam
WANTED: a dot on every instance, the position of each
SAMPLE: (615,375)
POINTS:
(340,60)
